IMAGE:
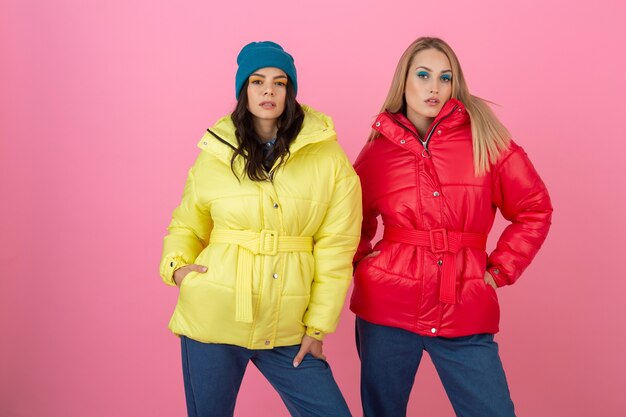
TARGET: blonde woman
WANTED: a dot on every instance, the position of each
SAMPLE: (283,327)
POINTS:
(437,165)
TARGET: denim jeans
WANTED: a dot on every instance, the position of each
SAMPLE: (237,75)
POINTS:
(213,373)
(469,368)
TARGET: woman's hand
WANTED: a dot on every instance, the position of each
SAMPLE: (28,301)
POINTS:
(369,255)
(309,345)
(490,281)
(182,272)
(372,254)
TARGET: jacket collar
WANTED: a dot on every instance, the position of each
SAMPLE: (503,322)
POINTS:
(316,127)
(397,125)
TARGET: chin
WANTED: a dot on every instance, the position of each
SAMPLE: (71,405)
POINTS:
(431,113)
(265,114)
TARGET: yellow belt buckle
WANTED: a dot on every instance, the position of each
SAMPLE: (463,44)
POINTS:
(273,246)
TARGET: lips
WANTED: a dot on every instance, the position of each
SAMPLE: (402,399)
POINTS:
(267,104)
(432,101)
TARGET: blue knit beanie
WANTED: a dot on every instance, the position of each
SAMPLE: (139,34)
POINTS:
(257,55)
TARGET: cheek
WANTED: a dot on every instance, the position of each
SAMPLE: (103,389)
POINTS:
(411,93)
(280,98)
(252,105)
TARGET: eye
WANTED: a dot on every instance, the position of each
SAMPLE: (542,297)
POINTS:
(446,78)
(281,83)
(422,74)
(256,81)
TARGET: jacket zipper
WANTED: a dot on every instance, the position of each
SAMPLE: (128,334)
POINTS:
(430,133)
(220,139)
(270,174)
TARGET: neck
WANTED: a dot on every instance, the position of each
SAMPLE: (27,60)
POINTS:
(266,129)
(421,123)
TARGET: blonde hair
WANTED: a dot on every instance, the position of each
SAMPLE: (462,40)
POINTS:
(489,136)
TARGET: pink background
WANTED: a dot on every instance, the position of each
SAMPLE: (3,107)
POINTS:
(101,106)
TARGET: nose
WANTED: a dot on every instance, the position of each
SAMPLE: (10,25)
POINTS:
(269,91)
(434,88)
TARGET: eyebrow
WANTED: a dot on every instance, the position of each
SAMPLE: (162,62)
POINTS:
(428,69)
(263,76)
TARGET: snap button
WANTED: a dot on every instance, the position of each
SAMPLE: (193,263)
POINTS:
(205,143)
(436,193)
(172,264)
(459,110)
(317,333)
(433,330)
(439,262)
(402,141)
(275,276)
(275,205)
(377,124)
(439,132)
(495,271)
(267,342)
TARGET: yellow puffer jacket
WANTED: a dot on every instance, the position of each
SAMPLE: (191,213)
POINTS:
(278,254)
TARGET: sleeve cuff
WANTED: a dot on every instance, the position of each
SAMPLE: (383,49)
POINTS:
(498,276)
(315,333)
(168,266)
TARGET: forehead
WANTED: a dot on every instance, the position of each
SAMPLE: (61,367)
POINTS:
(431,58)
(271,72)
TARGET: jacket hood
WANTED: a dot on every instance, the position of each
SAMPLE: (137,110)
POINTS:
(220,139)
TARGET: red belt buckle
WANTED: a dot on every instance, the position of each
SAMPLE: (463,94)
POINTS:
(444,236)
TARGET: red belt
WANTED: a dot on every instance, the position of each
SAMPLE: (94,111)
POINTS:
(440,241)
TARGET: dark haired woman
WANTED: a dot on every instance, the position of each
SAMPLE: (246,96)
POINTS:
(261,246)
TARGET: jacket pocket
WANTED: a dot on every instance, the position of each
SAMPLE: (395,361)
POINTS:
(221,262)
(299,274)
(186,278)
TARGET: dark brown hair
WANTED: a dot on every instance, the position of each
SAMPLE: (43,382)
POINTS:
(250,148)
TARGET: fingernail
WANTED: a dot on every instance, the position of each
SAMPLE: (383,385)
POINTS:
(295,364)
(204,269)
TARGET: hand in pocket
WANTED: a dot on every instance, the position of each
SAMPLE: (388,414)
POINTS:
(369,255)
(181,273)
(490,281)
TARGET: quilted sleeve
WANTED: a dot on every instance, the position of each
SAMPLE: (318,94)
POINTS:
(523,199)
(189,232)
(335,242)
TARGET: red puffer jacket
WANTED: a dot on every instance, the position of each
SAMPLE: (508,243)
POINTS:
(429,275)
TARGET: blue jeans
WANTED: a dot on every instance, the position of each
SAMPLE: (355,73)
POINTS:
(213,373)
(469,368)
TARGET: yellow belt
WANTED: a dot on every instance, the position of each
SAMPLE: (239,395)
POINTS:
(265,242)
